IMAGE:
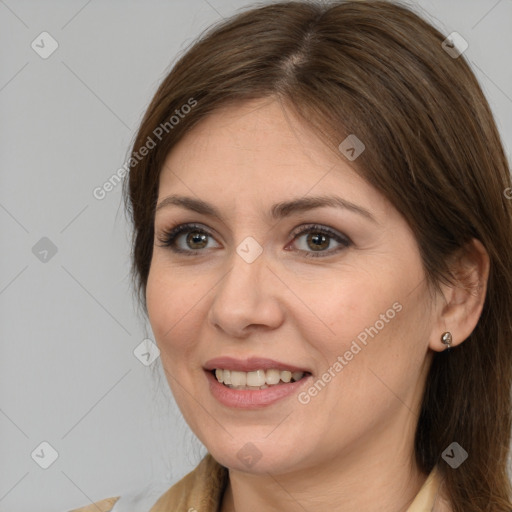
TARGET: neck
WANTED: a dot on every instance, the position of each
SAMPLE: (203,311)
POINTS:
(286,493)
(371,473)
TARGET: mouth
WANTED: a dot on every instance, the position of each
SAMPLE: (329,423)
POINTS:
(254,382)
(257,379)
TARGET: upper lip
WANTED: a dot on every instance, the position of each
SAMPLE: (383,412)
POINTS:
(250,364)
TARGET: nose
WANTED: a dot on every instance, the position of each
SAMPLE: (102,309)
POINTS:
(248,298)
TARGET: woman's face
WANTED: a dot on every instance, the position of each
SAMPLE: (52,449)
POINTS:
(344,301)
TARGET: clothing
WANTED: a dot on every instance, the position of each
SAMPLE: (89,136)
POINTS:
(202,489)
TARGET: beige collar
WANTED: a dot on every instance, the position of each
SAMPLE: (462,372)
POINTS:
(428,495)
(202,489)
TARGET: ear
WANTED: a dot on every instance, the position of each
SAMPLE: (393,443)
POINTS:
(460,307)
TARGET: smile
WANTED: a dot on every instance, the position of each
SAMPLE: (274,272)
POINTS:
(258,379)
(255,397)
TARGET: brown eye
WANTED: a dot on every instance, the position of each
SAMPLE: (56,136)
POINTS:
(316,242)
(318,239)
(195,241)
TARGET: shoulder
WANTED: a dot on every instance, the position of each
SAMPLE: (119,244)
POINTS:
(105,505)
(431,496)
(442,501)
(203,487)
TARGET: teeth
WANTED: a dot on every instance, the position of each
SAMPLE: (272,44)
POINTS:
(238,378)
(297,375)
(259,379)
(273,376)
(256,378)
(286,376)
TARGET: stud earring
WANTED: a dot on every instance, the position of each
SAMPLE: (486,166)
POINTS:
(446,338)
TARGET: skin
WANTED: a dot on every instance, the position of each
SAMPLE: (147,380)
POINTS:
(351,446)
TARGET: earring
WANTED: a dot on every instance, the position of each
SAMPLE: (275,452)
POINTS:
(446,338)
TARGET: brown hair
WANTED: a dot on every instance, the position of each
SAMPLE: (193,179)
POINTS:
(378,70)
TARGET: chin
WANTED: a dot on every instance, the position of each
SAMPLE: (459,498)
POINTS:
(259,457)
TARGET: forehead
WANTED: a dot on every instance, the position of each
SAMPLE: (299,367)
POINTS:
(257,142)
(259,151)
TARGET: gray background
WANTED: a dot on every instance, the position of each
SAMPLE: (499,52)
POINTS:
(68,324)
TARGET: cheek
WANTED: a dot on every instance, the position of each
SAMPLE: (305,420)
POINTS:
(174,303)
(368,316)
(380,343)
(342,305)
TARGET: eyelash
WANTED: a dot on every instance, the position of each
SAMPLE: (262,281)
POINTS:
(168,238)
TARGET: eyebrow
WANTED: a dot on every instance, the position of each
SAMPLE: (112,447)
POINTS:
(278,210)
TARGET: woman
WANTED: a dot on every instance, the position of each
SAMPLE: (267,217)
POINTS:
(322,242)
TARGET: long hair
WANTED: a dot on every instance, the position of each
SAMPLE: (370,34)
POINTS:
(378,70)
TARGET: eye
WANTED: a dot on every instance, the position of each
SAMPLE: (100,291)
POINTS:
(319,238)
(197,238)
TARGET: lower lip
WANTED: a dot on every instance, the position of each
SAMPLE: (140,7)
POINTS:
(252,399)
